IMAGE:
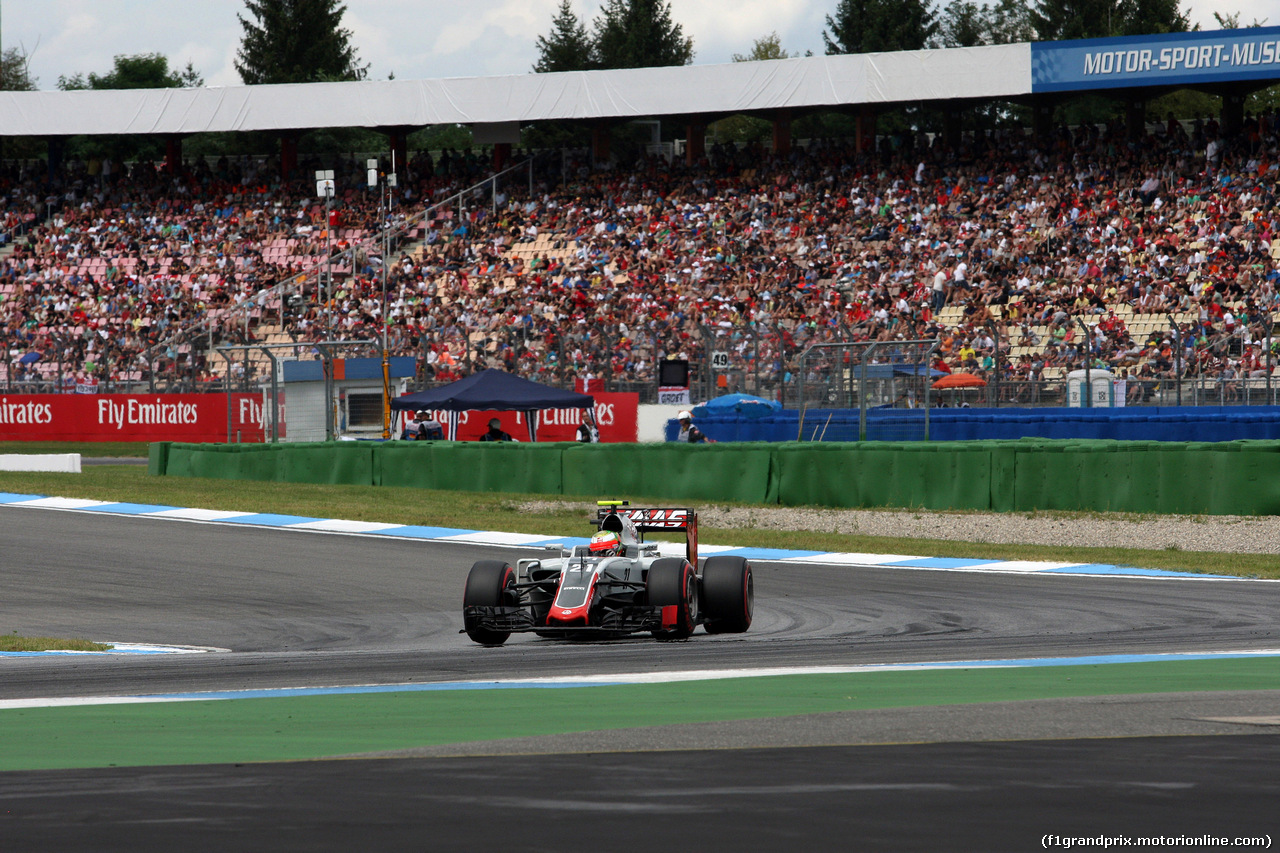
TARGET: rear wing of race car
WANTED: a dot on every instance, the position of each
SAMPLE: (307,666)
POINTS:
(655,520)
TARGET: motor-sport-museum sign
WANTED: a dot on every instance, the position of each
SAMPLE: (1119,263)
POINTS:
(130,417)
(1172,59)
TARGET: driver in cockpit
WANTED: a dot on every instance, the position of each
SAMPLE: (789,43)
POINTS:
(606,543)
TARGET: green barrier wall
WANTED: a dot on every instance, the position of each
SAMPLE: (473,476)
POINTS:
(497,467)
(1192,478)
(734,472)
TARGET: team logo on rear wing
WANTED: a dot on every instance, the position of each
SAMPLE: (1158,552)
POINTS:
(648,519)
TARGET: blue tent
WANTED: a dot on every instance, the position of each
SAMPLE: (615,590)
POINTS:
(743,404)
(493,390)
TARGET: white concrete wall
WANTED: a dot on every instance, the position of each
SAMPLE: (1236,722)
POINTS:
(651,421)
(62,463)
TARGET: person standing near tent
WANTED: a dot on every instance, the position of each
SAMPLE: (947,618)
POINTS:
(428,428)
(495,432)
(587,431)
(688,432)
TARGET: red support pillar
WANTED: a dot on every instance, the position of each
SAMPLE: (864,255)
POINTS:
(782,132)
(501,155)
(173,155)
(398,140)
(695,147)
(600,142)
(865,129)
(288,155)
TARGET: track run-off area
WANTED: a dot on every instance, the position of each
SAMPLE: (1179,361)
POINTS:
(276,671)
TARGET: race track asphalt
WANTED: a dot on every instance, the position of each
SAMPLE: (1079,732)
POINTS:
(303,609)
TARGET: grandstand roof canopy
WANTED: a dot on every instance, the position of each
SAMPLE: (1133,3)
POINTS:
(1238,58)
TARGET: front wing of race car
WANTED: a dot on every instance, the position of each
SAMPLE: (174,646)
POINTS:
(606,622)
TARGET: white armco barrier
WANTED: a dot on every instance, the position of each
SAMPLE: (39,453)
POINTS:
(63,463)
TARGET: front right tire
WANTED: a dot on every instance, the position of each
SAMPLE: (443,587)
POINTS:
(728,595)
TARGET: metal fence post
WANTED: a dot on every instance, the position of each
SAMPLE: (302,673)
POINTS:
(993,388)
(1087,401)
(862,390)
(1177,359)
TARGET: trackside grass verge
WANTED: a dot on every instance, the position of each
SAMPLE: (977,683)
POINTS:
(14,643)
(505,512)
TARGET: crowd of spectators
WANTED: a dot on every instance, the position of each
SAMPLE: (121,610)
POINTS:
(998,247)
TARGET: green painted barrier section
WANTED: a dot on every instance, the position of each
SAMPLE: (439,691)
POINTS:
(1255,480)
(1184,478)
(498,467)
(734,472)
(158,458)
(406,464)
(328,463)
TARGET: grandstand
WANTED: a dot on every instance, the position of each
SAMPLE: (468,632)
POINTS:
(1147,250)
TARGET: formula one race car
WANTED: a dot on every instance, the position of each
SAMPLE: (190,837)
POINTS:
(613,586)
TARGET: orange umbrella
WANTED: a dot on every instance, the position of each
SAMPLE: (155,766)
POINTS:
(960,380)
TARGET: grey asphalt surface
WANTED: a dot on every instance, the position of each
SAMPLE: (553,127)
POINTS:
(297,609)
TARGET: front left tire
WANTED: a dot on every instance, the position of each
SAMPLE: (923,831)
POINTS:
(490,583)
(671,582)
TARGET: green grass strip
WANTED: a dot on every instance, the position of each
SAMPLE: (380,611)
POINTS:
(294,728)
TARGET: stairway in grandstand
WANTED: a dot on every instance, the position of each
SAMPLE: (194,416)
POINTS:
(262,318)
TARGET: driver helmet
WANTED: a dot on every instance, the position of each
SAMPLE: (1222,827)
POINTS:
(684,416)
(606,543)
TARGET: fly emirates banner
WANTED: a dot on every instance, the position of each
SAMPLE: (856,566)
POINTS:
(130,417)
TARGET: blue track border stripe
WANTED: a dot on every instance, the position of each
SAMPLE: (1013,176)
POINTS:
(941,563)
(1131,571)
(414,531)
(130,508)
(269,519)
(11,498)
(287,522)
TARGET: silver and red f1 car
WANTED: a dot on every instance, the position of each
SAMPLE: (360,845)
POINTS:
(626,588)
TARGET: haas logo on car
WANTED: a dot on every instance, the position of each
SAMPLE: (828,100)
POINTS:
(672,518)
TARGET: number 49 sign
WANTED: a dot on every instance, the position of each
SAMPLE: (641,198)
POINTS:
(720,361)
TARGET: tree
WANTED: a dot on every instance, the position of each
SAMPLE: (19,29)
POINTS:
(872,26)
(639,34)
(765,48)
(1231,21)
(964,23)
(1056,20)
(15,72)
(296,41)
(567,47)
(1011,22)
(141,71)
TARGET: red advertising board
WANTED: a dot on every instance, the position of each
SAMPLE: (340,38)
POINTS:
(130,417)
(617,417)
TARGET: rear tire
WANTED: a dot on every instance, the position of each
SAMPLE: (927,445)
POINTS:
(490,583)
(728,595)
(671,582)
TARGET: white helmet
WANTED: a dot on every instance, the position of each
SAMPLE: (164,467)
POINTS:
(684,416)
